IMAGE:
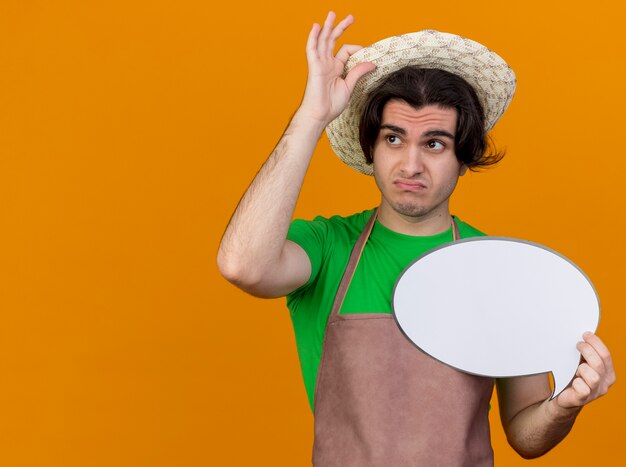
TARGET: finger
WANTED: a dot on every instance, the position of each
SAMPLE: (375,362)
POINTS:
(600,348)
(322,40)
(573,396)
(311,43)
(357,72)
(582,390)
(590,376)
(346,51)
(339,30)
(591,356)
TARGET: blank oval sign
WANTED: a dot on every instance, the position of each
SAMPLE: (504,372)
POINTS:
(499,307)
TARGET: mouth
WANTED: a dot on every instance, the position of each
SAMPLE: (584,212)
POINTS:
(406,184)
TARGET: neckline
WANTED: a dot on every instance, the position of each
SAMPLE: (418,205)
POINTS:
(379,230)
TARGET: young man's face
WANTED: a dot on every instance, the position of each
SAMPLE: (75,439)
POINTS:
(415,165)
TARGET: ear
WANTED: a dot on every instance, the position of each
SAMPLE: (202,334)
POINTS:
(462,170)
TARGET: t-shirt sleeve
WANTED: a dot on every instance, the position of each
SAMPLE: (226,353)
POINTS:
(312,237)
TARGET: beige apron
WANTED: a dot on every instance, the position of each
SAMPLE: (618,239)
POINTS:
(379,401)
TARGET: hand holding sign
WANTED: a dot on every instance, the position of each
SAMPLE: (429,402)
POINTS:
(497,307)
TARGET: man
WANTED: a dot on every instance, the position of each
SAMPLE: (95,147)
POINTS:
(376,399)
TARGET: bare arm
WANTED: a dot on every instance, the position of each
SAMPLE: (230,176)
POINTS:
(254,253)
(534,424)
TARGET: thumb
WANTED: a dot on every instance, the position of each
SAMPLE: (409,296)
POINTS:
(357,72)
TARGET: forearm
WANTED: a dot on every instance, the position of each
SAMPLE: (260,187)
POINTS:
(254,239)
(538,428)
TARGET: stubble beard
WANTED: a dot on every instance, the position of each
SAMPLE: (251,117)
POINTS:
(413,210)
(421,208)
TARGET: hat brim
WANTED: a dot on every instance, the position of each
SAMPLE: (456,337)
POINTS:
(492,79)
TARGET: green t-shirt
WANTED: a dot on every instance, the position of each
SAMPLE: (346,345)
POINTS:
(328,243)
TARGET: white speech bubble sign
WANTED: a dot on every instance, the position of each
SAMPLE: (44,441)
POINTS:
(498,307)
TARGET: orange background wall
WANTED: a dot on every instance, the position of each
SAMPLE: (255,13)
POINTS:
(128,132)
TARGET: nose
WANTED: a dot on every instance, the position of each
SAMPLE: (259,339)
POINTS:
(412,162)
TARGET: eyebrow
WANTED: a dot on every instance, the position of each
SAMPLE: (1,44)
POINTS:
(445,133)
(402,131)
(393,128)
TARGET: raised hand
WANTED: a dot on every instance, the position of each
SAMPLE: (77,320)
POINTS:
(327,93)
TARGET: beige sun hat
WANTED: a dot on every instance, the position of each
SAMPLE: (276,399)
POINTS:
(489,75)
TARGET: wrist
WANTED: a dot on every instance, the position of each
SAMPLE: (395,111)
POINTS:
(307,118)
(559,413)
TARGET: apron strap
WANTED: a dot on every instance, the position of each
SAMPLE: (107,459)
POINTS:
(455,230)
(352,262)
(355,256)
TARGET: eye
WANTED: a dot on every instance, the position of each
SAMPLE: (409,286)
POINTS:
(393,139)
(435,145)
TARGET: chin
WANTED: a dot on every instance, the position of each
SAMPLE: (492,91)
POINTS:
(411,210)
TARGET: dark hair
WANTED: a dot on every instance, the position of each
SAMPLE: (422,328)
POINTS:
(420,87)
